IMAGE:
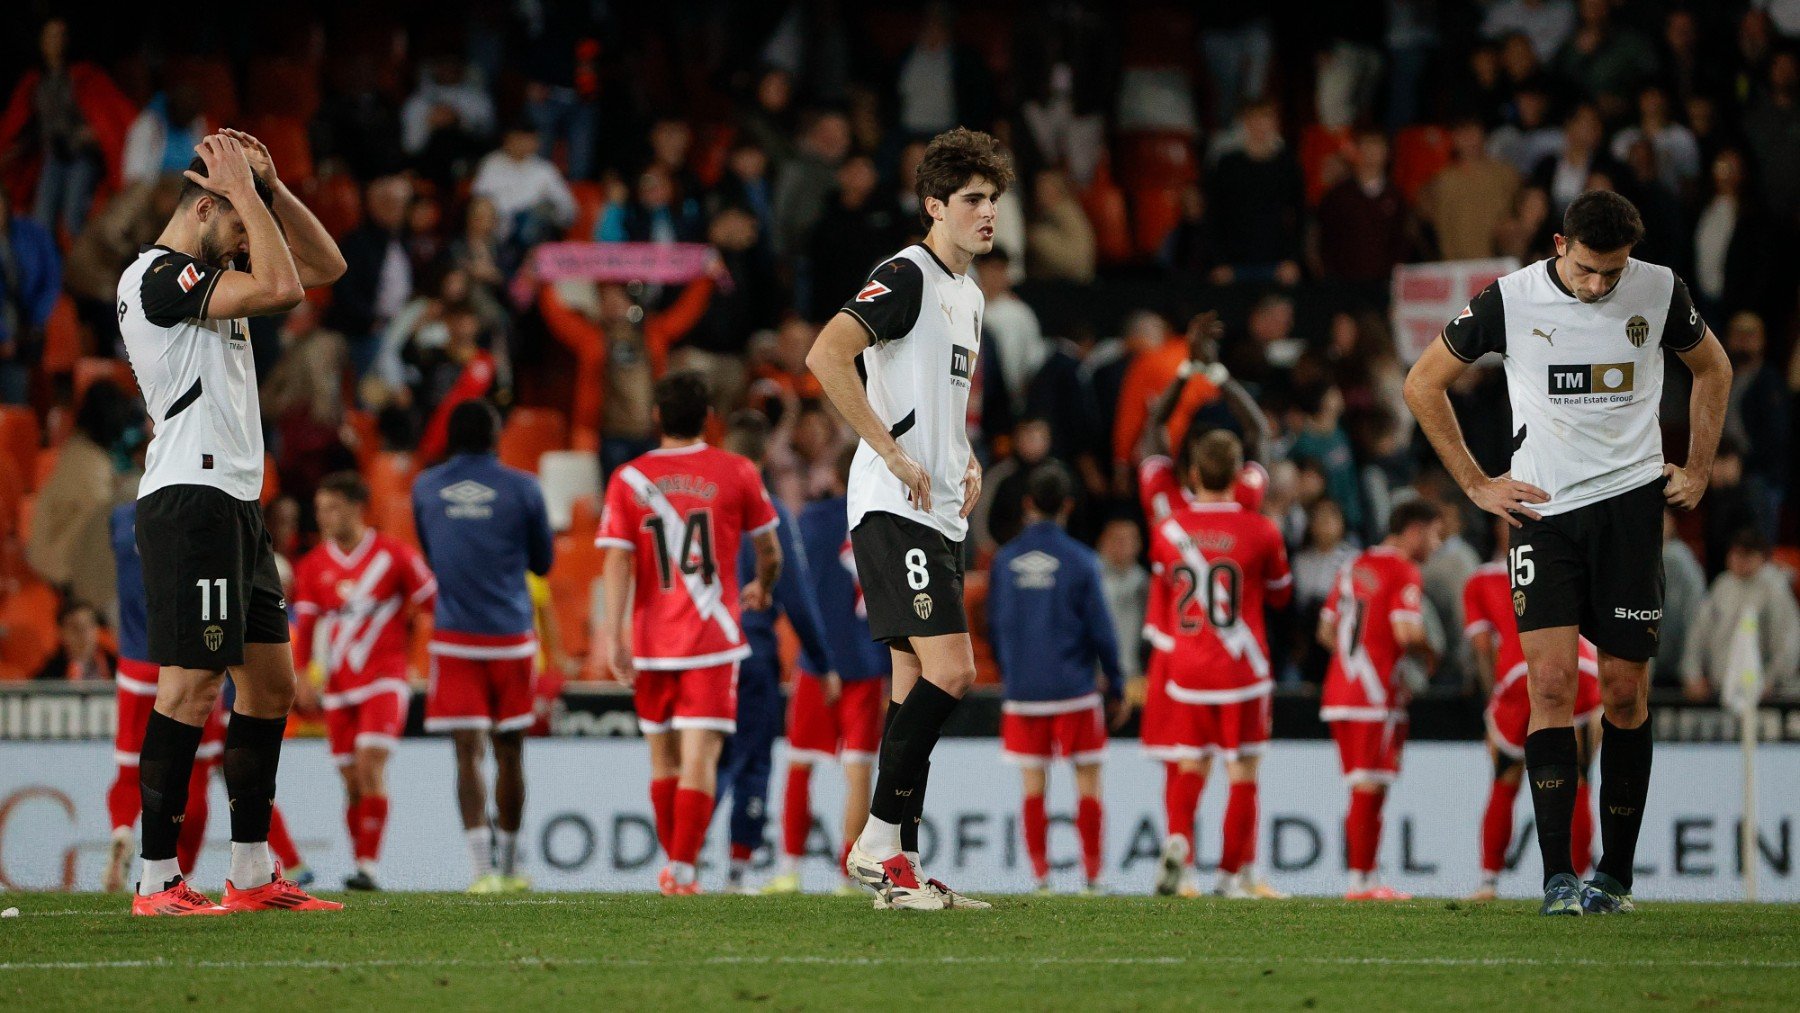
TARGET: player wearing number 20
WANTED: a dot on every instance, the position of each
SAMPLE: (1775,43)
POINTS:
(681,510)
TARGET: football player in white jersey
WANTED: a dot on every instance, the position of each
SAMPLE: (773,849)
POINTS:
(214,596)
(915,326)
(1583,335)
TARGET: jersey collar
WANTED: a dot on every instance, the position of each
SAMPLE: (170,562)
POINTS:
(1555,278)
(692,448)
(1222,506)
(354,556)
(935,260)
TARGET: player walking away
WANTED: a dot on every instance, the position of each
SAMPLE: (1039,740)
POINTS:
(214,597)
(1048,622)
(353,596)
(483,528)
(1583,335)
(1370,619)
(836,713)
(745,768)
(915,330)
(1218,563)
(681,510)
(1493,634)
(135,681)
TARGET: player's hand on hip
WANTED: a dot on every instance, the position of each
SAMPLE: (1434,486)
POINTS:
(1681,488)
(257,154)
(1118,712)
(971,486)
(913,475)
(618,661)
(1509,498)
(834,687)
(754,596)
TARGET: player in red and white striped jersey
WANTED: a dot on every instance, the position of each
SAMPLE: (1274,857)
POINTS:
(354,595)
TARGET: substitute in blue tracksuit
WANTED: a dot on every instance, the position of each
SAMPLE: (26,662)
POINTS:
(744,767)
(1059,656)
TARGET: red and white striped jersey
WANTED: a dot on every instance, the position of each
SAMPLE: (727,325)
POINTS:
(1218,563)
(350,610)
(1376,591)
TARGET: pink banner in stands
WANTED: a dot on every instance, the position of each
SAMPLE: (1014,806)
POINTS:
(655,263)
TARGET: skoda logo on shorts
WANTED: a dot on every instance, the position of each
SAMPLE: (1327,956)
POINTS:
(1518,603)
(922,605)
(1638,330)
(214,637)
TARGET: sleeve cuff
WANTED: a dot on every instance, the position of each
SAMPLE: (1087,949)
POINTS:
(614,543)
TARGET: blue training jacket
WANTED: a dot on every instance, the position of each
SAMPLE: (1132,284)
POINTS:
(825,531)
(134,625)
(482,525)
(1047,617)
(793,595)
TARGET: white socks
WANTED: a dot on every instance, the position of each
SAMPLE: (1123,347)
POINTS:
(789,864)
(1361,881)
(508,846)
(913,857)
(684,872)
(879,838)
(481,851)
(157,873)
(251,865)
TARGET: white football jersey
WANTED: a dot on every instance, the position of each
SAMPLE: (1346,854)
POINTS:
(198,377)
(1585,379)
(924,324)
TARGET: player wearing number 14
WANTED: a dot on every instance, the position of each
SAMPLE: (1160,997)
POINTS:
(681,510)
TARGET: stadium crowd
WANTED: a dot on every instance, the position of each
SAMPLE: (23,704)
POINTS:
(1181,172)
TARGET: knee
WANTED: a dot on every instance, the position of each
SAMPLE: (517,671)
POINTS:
(191,699)
(1552,684)
(955,681)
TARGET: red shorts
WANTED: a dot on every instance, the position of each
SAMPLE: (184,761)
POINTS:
(1369,750)
(1159,726)
(851,728)
(687,698)
(1230,729)
(136,694)
(480,682)
(1509,709)
(1034,732)
(371,716)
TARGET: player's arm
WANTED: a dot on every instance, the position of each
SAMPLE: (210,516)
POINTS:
(1706,417)
(1328,616)
(306,620)
(767,545)
(315,253)
(1479,329)
(1408,622)
(272,285)
(1484,640)
(615,575)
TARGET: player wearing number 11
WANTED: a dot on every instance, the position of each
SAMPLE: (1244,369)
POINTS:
(682,510)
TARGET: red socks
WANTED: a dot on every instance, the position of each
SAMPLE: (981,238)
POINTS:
(1239,846)
(796,811)
(281,844)
(122,800)
(1581,830)
(1362,829)
(1088,823)
(1037,835)
(662,803)
(1497,826)
(368,821)
(1181,800)
(693,812)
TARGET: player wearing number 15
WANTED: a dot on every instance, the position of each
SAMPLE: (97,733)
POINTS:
(681,510)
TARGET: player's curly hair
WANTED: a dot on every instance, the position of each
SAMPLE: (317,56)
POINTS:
(1602,221)
(956,156)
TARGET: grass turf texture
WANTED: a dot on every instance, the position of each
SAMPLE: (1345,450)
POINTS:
(635,951)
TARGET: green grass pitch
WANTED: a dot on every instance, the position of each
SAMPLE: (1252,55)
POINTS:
(631,951)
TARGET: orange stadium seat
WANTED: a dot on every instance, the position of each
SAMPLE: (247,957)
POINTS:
(710,153)
(389,475)
(1420,153)
(1105,207)
(20,435)
(1156,210)
(1157,158)
(15,483)
(282,86)
(584,516)
(46,463)
(368,435)
(213,81)
(571,580)
(337,201)
(287,141)
(590,200)
(1318,145)
(63,338)
(90,368)
(27,629)
(528,433)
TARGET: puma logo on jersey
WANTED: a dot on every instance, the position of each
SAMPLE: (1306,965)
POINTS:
(872,291)
(189,277)
(1540,334)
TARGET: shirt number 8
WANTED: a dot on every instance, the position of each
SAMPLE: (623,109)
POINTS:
(917,577)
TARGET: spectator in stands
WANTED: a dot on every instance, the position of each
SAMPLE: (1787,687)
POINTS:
(1676,152)
(1062,69)
(769,123)
(80,119)
(81,657)
(1013,342)
(1236,44)
(479,250)
(1316,568)
(1772,127)
(378,282)
(1731,264)
(1751,587)
(425,241)
(1666,235)
(1547,23)
(746,183)
(1607,60)
(162,138)
(1466,203)
(68,547)
(132,218)
(1444,575)
(30,278)
(562,95)
(1156,354)
(462,371)
(1759,412)
(905,193)
(1256,200)
(1126,586)
(1565,175)
(941,84)
(1191,250)
(1320,438)
(1519,63)
(528,191)
(671,141)
(1527,137)
(1684,587)
(747,299)
(1262,356)
(1361,221)
(1481,91)
(803,467)
(857,228)
(448,120)
(1528,233)
(656,213)
(1365,369)
(805,182)
(360,121)
(1000,515)
(303,398)
(1059,239)
(1732,504)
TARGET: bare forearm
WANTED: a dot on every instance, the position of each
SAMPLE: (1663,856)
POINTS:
(270,262)
(837,376)
(1257,430)
(616,580)
(1438,420)
(314,251)
(1706,417)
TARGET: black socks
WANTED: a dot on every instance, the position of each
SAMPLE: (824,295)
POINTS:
(252,752)
(915,813)
(1552,767)
(165,763)
(912,731)
(1624,785)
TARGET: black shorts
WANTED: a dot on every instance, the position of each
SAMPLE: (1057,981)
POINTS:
(912,578)
(209,577)
(1598,567)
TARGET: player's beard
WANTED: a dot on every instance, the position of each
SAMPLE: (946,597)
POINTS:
(212,247)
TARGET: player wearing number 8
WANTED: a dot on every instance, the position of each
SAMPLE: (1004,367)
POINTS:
(673,522)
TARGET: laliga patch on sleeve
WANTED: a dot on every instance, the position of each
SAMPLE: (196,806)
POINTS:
(872,291)
(189,277)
